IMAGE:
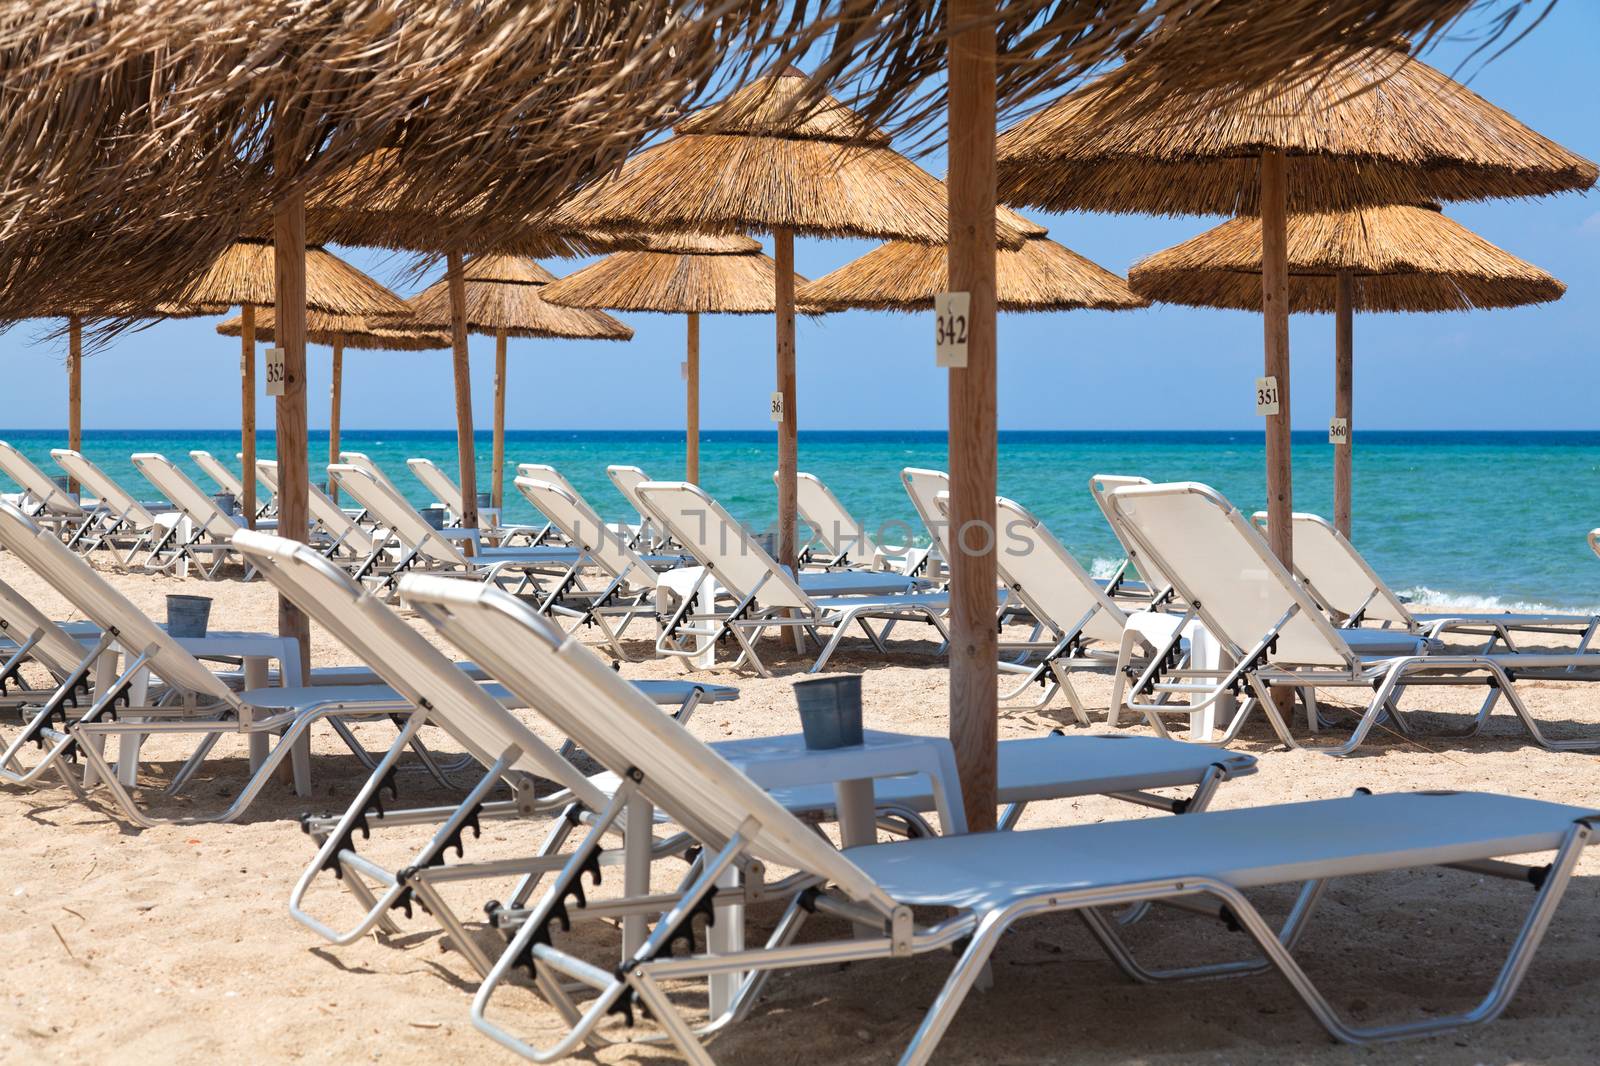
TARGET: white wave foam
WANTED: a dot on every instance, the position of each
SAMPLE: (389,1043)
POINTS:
(1103,568)
(1435,601)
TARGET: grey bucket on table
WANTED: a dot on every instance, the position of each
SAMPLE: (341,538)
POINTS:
(434,516)
(485,499)
(228,502)
(188,616)
(830,711)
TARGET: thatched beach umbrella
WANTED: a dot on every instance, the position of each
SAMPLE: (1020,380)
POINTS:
(502,295)
(683,273)
(1040,276)
(760,161)
(340,332)
(245,276)
(1378,127)
(1396,258)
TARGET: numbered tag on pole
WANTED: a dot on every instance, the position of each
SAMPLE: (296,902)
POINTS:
(1266,396)
(276,376)
(777,407)
(950,322)
(1339,431)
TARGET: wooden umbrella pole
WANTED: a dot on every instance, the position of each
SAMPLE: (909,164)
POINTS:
(334,403)
(294,470)
(247,410)
(468,462)
(691,391)
(1343,401)
(1275,318)
(74,388)
(498,480)
(788,434)
(974,649)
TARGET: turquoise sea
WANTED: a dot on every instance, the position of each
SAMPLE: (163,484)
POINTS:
(1488,518)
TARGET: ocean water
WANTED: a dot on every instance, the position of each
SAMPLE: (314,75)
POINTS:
(1494,519)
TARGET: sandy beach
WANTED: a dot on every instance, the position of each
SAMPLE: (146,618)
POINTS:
(175,944)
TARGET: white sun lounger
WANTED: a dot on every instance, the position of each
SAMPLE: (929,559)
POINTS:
(1153,586)
(627,479)
(991,880)
(121,521)
(1352,592)
(767,595)
(211,529)
(1279,638)
(415,543)
(343,534)
(843,540)
(362,460)
(628,531)
(42,498)
(213,468)
(447,494)
(27,636)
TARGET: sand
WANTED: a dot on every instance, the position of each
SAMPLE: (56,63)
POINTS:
(175,944)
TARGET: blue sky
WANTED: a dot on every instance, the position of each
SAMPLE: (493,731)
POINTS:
(1166,367)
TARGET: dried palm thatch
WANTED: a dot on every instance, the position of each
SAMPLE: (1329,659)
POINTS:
(762,160)
(1401,259)
(1379,127)
(246,273)
(1040,276)
(676,273)
(505,295)
(347,331)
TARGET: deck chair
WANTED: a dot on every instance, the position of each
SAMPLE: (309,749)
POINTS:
(1134,577)
(1279,638)
(766,595)
(627,479)
(344,536)
(414,543)
(628,531)
(838,539)
(362,460)
(211,529)
(1352,592)
(477,717)
(192,700)
(1204,861)
(41,498)
(27,636)
(213,468)
(121,521)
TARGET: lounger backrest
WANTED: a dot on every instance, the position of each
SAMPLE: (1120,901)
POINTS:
(1101,486)
(627,479)
(404,659)
(1337,575)
(327,513)
(390,509)
(1226,572)
(20,620)
(550,476)
(185,495)
(107,608)
(1035,565)
(445,491)
(584,698)
(924,486)
(830,523)
(587,532)
(212,467)
(361,460)
(722,545)
(113,497)
(35,482)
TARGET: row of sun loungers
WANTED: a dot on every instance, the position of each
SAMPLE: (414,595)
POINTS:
(1211,617)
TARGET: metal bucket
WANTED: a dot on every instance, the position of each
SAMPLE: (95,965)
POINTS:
(830,711)
(485,500)
(228,502)
(434,516)
(188,616)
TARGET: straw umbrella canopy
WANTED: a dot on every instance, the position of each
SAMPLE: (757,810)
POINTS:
(762,160)
(683,273)
(340,332)
(1378,127)
(1040,276)
(245,276)
(502,295)
(1396,258)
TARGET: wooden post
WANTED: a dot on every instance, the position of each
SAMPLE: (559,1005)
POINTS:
(333,413)
(1275,318)
(247,410)
(498,480)
(74,389)
(788,433)
(467,457)
(289,308)
(691,392)
(1343,399)
(974,712)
